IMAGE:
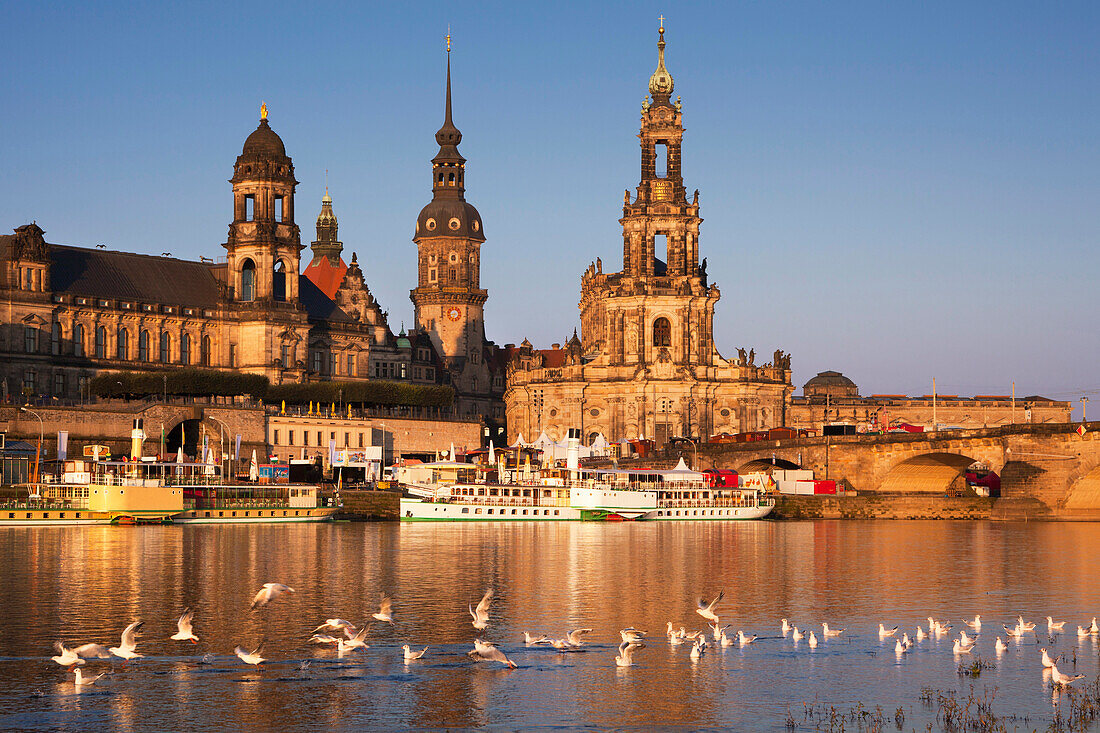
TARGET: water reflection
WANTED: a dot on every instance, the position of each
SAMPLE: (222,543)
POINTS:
(86,584)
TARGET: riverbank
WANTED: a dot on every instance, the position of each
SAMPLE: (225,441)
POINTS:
(883,506)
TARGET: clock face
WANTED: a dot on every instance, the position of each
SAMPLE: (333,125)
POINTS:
(454,313)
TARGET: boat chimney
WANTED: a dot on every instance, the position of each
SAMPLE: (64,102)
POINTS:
(573,451)
(137,437)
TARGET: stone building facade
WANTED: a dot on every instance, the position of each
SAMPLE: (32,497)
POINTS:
(645,363)
(68,313)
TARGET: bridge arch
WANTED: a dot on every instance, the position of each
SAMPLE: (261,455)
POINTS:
(930,473)
(763,465)
(1084,493)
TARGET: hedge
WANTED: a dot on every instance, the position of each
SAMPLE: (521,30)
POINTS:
(201,382)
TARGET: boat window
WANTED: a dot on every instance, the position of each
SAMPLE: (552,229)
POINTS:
(465,510)
(556,512)
(490,511)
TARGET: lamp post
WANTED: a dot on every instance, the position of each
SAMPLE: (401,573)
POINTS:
(38,453)
(1084,407)
(222,428)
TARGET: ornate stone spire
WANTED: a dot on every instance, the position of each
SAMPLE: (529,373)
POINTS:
(327,244)
(660,84)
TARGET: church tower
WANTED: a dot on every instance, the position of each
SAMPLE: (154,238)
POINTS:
(448,300)
(264,242)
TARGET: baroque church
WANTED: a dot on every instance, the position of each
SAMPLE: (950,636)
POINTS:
(645,363)
(73,312)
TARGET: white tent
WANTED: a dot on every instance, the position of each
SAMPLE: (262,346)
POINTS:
(520,442)
(600,443)
(253,468)
(492,454)
(543,441)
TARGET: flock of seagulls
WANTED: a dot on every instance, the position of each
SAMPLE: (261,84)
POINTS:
(346,637)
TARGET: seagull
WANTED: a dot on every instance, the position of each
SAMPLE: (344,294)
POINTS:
(485,652)
(1053,625)
(1094,629)
(706,610)
(920,634)
(334,624)
(976,624)
(323,639)
(127,648)
(626,653)
(1047,661)
(81,681)
(481,614)
(92,651)
(697,649)
(631,634)
(1016,631)
(531,640)
(901,646)
(742,639)
(813,640)
(268,593)
(905,640)
(357,640)
(786,627)
(718,630)
(573,638)
(883,632)
(1082,632)
(184,624)
(253,657)
(343,647)
(385,610)
(1059,677)
(1000,646)
(796,635)
(725,640)
(675,638)
(410,655)
(101,246)
(670,631)
(66,657)
(827,632)
(1024,625)
(960,648)
(966,640)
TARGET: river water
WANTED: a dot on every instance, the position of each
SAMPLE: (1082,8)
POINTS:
(86,584)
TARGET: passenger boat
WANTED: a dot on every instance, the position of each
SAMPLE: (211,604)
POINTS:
(144,492)
(462,491)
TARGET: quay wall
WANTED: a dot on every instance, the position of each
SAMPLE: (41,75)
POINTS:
(370,506)
(882,506)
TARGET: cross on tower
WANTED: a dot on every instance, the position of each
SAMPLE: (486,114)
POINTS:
(662,20)
(448,37)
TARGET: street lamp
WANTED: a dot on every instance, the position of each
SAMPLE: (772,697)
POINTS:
(1084,408)
(222,428)
(38,453)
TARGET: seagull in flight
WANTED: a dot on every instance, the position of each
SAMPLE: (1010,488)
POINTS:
(531,639)
(706,610)
(481,613)
(269,593)
(127,648)
(185,633)
(410,655)
(93,651)
(334,624)
(625,657)
(251,657)
(631,634)
(66,657)
(485,652)
(573,638)
(356,640)
(385,610)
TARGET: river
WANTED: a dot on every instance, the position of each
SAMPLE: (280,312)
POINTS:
(86,584)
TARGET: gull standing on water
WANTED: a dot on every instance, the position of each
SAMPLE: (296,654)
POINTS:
(185,633)
(1000,646)
(1058,677)
(786,627)
(127,649)
(1053,625)
(920,634)
(1047,661)
(268,593)
(976,624)
(410,655)
(81,681)
(1094,629)
(742,639)
(626,653)
(706,610)
(796,635)
(883,632)
(827,632)
(813,640)
(481,613)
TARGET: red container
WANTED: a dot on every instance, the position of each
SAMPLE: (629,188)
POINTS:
(825,487)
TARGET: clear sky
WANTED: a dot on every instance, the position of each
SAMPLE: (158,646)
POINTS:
(893,190)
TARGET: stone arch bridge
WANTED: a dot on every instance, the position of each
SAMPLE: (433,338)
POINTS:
(1048,468)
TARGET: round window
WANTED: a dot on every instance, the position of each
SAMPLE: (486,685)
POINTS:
(594,412)
(430,225)
(454,257)
(725,413)
(431,259)
(553,413)
(454,223)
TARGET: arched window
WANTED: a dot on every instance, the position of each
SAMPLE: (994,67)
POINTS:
(143,345)
(248,280)
(185,349)
(122,344)
(662,332)
(78,339)
(278,281)
(165,347)
(451,179)
(100,342)
(204,351)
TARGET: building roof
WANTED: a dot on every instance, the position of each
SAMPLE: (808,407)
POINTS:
(264,142)
(319,306)
(829,379)
(326,274)
(99,273)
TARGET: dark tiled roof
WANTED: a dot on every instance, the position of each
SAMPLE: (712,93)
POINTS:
(319,306)
(126,276)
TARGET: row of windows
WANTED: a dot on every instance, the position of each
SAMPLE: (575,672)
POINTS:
(306,434)
(122,344)
(31,386)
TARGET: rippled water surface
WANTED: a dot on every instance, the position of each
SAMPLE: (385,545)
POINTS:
(85,584)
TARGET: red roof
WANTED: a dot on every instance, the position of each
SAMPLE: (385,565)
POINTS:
(325,275)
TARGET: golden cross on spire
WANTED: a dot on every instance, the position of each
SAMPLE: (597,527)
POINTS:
(662,21)
(448,37)
(326,181)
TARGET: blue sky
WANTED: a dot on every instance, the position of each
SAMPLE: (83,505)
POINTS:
(896,191)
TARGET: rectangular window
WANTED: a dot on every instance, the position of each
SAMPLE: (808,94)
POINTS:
(316,362)
(660,163)
(249,207)
(287,361)
(431,275)
(232,355)
(279,212)
(30,339)
(351,365)
(360,440)
(305,437)
(404,370)
(29,378)
(429,373)
(347,440)
(320,439)
(275,438)
(55,338)
(377,369)
(59,384)
(290,437)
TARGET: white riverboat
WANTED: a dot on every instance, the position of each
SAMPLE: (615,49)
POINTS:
(469,492)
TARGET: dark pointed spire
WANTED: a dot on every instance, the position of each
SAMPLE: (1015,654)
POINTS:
(448,136)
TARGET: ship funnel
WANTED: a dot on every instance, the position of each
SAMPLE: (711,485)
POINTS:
(573,450)
(137,437)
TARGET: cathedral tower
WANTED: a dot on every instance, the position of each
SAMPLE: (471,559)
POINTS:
(264,243)
(448,300)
